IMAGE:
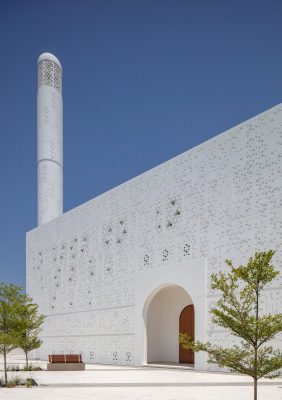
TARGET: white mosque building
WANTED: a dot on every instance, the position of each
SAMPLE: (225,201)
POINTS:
(119,276)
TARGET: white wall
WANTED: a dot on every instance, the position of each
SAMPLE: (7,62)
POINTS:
(219,200)
(154,329)
(163,324)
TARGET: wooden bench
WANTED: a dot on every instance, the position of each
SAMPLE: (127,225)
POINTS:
(65,358)
(65,362)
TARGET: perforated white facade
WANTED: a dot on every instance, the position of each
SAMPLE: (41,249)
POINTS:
(94,269)
(49,138)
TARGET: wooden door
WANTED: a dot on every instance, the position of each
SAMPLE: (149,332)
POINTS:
(186,325)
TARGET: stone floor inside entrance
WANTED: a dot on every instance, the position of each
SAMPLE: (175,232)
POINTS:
(170,365)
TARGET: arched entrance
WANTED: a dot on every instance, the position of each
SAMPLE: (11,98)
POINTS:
(165,315)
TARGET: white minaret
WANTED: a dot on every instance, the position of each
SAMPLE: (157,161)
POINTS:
(49,138)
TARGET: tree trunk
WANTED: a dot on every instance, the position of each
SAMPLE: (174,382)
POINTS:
(256,349)
(255,388)
(26,361)
(5,367)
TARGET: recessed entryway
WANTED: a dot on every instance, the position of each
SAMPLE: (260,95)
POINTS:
(168,311)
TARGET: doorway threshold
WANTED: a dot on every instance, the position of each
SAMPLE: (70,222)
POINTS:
(170,365)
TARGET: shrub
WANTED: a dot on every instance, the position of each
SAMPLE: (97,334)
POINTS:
(30,382)
(32,367)
(13,382)
(13,368)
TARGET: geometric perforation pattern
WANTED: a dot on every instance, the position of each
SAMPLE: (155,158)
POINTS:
(49,74)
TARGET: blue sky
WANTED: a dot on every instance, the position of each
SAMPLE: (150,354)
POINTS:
(143,82)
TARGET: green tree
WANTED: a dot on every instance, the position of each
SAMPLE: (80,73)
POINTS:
(29,326)
(10,298)
(239,311)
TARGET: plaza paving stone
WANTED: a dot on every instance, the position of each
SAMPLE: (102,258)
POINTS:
(107,382)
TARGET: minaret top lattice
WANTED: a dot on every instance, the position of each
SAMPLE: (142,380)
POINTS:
(49,71)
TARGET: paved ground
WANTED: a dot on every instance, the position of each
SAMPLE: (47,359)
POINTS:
(100,382)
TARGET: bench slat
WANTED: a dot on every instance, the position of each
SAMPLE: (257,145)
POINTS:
(67,358)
